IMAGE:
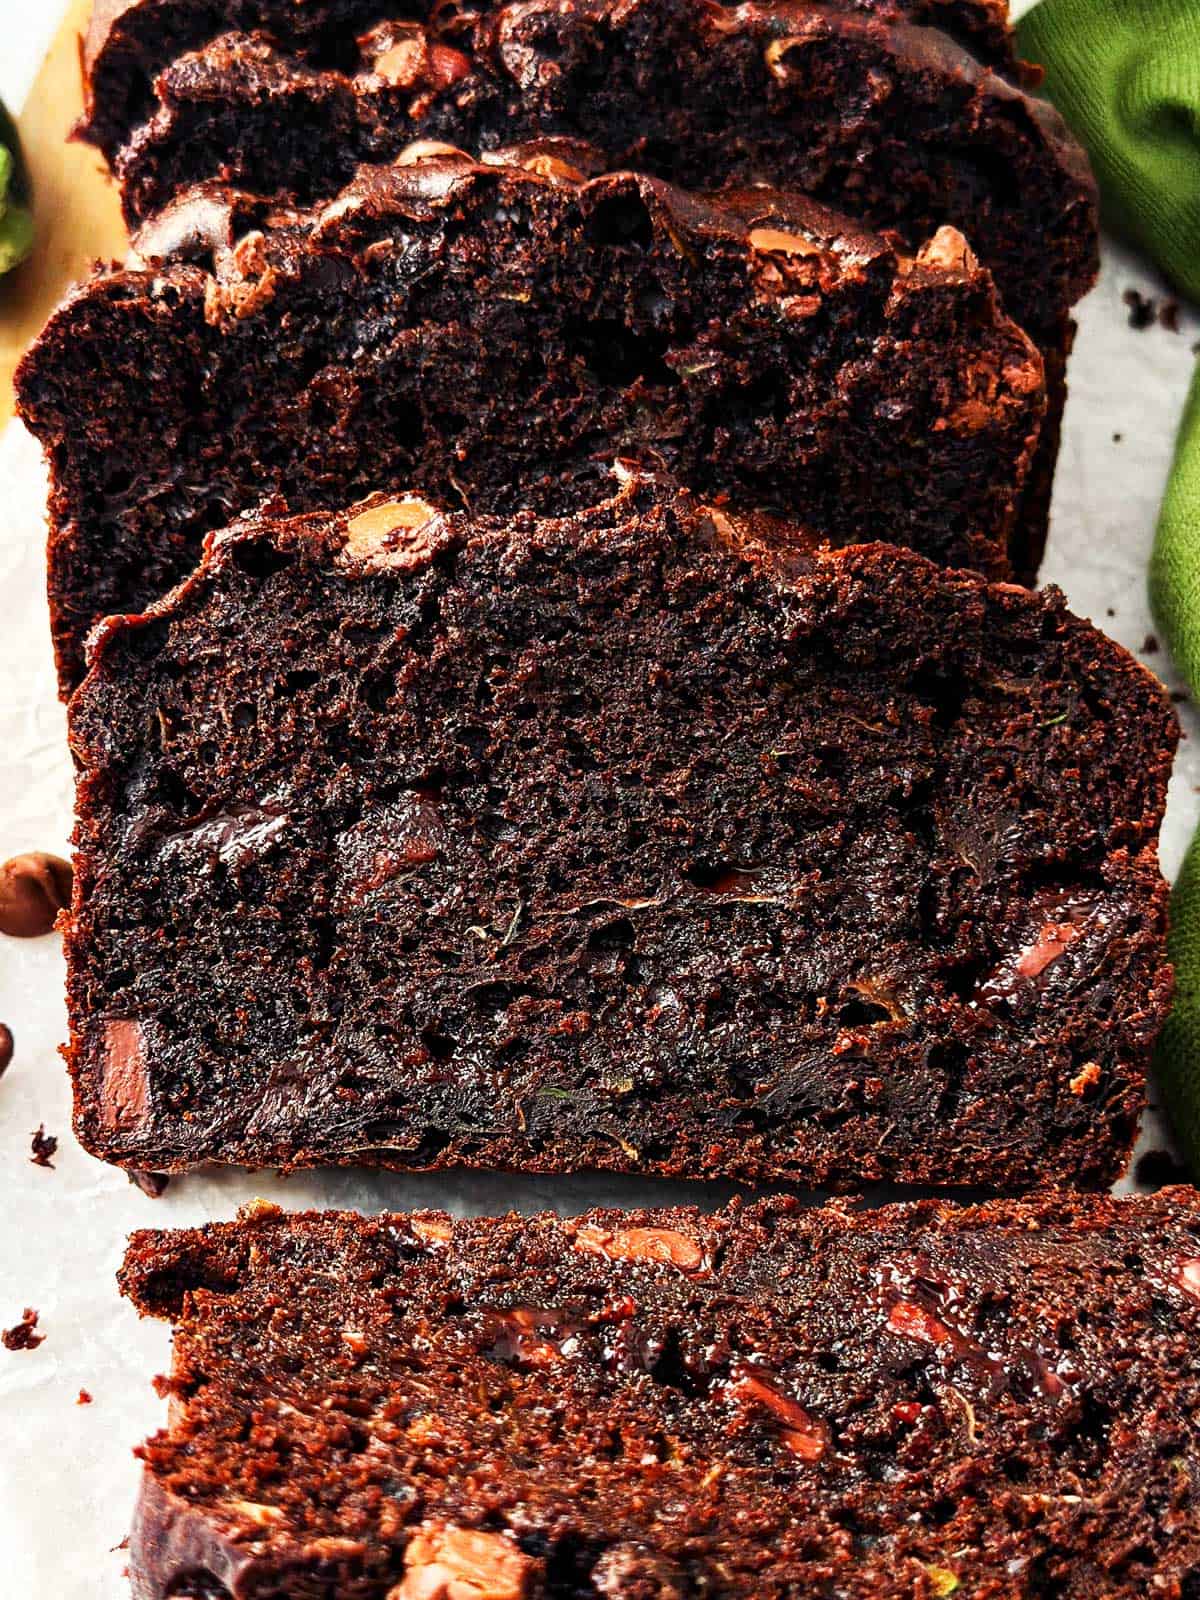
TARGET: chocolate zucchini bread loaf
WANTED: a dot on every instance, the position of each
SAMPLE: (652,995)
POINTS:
(869,108)
(901,1404)
(488,334)
(646,839)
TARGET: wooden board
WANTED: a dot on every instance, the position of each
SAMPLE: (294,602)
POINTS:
(76,213)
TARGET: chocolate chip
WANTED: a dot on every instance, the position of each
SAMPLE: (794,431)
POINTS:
(124,1093)
(34,888)
(6,1048)
(43,1146)
(25,1335)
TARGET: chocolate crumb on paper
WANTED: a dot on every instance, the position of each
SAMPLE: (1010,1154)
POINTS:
(1142,308)
(6,1048)
(43,1146)
(153,1184)
(24,1336)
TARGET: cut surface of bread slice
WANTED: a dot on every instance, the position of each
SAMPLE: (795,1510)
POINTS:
(919,1401)
(645,839)
(893,122)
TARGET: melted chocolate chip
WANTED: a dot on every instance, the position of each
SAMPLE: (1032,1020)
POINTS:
(936,1313)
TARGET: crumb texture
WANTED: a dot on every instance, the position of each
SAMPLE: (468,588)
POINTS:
(646,839)
(902,1404)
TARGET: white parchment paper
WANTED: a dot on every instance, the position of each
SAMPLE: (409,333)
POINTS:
(67,1478)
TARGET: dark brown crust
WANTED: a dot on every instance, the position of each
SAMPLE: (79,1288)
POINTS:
(1117,713)
(1000,1397)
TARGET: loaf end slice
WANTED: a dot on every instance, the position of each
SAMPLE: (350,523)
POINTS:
(917,1401)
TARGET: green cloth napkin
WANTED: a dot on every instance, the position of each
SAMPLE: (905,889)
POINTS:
(1175,597)
(16,220)
(1126,76)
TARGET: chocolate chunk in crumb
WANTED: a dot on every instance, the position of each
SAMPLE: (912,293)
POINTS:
(24,1336)
(6,1048)
(43,1146)
(124,1090)
(34,888)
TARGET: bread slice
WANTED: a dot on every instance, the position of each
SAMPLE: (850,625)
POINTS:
(130,42)
(492,335)
(919,1401)
(895,123)
(644,839)
(907,116)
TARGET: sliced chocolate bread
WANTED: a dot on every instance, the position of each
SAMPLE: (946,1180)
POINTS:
(492,335)
(897,124)
(130,42)
(867,107)
(646,839)
(902,1404)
